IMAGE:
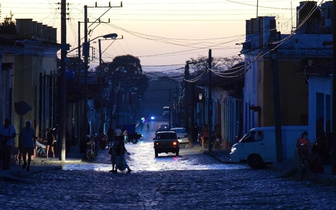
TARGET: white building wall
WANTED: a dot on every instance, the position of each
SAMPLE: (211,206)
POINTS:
(250,95)
(226,109)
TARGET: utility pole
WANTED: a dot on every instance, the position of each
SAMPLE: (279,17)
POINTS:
(192,115)
(100,53)
(170,110)
(62,83)
(186,95)
(86,51)
(276,93)
(79,41)
(210,102)
(333,161)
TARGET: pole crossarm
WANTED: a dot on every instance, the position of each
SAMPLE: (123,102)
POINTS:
(109,6)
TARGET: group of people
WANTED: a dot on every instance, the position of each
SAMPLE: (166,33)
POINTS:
(313,157)
(118,151)
(26,145)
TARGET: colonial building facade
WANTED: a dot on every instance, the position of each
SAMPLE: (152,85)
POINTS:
(291,56)
(29,75)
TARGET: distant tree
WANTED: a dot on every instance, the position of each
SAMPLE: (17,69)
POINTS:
(8,26)
(218,63)
(126,72)
(127,64)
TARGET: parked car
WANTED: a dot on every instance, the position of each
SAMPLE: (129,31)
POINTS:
(166,141)
(182,135)
(163,127)
(165,114)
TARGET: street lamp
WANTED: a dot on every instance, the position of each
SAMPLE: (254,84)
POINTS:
(111,36)
(106,37)
(86,52)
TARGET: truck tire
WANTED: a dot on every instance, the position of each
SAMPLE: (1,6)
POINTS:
(255,162)
(156,154)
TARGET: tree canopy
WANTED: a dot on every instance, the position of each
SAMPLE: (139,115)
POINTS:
(126,73)
(8,26)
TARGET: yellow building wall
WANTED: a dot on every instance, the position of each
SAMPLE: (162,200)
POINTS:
(293,94)
(26,86)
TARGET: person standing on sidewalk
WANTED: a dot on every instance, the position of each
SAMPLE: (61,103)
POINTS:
(50,142)
(303,146)
(7,133)
(27,143)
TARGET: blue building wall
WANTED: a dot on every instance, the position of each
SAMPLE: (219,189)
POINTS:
(320,104)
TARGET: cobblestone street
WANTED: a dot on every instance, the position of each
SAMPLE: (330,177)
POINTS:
(199,189)
(192,180)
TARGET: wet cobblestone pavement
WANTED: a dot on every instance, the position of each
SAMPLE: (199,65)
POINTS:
(199,189)
(191,181)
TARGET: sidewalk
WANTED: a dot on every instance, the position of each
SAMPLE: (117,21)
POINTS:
(38,164)
(286,167)
(219,154)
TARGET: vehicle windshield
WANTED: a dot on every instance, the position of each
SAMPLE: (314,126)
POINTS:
(166,136)
(179,130)
(253,136)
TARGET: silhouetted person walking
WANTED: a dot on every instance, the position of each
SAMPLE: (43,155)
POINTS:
(7,133)
(27,143)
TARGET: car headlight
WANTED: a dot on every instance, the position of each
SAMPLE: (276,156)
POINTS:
(233,149)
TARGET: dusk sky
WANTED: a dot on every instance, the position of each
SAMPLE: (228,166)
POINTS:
(159,32)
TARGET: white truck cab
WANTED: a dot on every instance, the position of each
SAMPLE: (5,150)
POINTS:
(258,146)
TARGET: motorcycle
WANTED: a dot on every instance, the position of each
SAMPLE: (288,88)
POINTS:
(91,150)
(132,138)
(41,147)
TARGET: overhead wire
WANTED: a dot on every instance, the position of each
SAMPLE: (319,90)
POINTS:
(196,48)
(242,70)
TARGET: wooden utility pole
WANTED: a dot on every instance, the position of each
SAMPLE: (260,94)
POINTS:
(210,107)
(276,92)
(62,85)
(86,49)
(86,52)
(186,96)
(192,115)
